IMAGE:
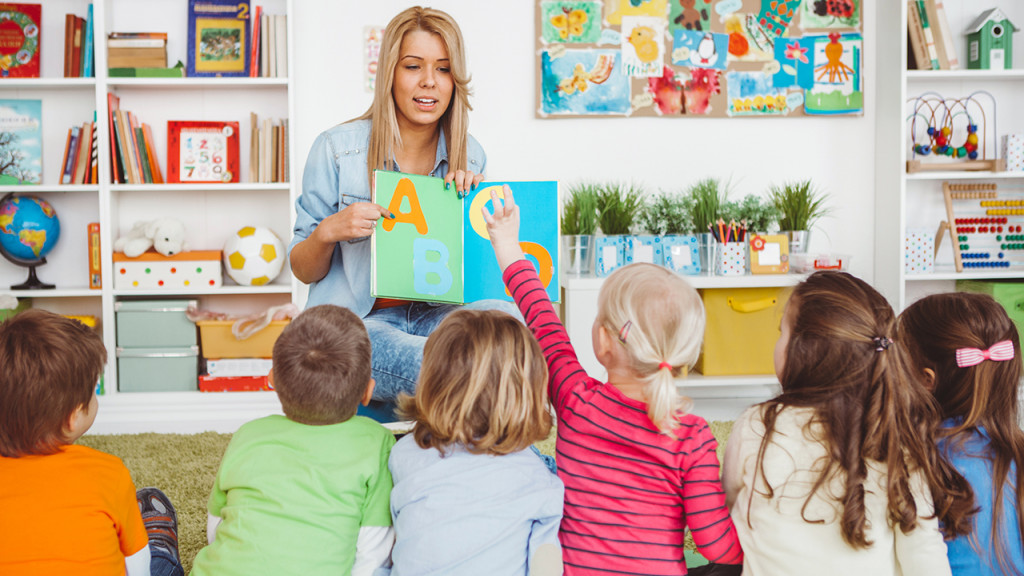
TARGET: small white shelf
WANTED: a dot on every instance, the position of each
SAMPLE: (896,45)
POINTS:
(50,188)
(180,412)
(212,187)
(979,275)
(701,281)
(55,293)
(697,380)
(980,75)
(192,83)
(222,291)
(47,83)
(965,175)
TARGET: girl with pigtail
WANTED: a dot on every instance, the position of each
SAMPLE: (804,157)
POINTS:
(838,474)
(638,469)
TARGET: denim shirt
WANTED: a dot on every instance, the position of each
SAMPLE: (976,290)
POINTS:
(335,177)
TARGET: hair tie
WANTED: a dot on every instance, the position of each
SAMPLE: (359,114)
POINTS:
(624,331)
(881,343)
(665,366)
(998,352)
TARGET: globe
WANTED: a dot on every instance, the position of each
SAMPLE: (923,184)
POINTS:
(29,229)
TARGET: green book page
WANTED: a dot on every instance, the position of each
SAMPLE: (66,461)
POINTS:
(417,255)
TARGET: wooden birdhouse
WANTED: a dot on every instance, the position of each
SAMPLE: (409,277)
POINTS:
(990,41)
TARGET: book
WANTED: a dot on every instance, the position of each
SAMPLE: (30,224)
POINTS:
(83,155)
(137,57)
(281,45)
(68,174)
(21,129)
(146,72)
(129,35)
(918,51)
(265,46)
(64,159)
(202,151)
(113,104)
(87,46)
(940,46)
(218,38)
(941,20)
(140,138)
(95,278)
(254,43)
(136,42)
(270,45)
(929,37)
(69,36)
(436,248)
(154,164)
(94,166)
(76,47)
(21,38)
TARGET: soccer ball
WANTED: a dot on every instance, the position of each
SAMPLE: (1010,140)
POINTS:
(253,256)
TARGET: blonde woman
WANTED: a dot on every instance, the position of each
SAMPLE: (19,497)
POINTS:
(416,124)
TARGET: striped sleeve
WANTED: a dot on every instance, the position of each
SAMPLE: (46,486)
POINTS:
(704,502)
(564,368)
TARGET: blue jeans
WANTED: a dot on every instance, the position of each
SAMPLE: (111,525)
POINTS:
(162,563)
(398,335)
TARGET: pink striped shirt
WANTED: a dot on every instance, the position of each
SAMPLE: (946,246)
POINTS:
(630,491)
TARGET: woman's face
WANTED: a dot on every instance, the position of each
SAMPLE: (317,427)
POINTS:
(423,84)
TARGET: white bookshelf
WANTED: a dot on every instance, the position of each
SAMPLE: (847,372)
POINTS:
(210,212)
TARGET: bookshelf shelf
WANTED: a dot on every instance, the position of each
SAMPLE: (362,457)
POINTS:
(222,291)
(974,75)
(48,83)
(81,292)
(228,187)
(963,175)
(193,83)
(69,188)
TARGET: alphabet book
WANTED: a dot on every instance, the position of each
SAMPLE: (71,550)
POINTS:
(437,249)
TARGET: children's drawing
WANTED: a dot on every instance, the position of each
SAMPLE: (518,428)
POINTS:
(752,94)
(587,82)
(776,15)
(838,86)
(795,66)
(830,14)
(748,41)
(573,21)
(617,9)
(667,91)
(703,83)
(643,46)
(689,15)
(700,49)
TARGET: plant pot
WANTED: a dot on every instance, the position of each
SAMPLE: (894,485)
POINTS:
(708,249)
(799,240)
(577,254)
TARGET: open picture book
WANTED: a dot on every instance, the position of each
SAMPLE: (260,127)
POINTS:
(436,249)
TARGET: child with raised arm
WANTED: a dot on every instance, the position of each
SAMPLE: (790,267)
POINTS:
(470,496)
(968,351)
(307,492)
(638,469)
(838,474)
(64,508)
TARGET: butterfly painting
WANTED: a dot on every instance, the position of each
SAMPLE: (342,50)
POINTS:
(572,22)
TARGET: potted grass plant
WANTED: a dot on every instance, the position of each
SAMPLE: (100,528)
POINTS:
(801,205)
(579,223)
(618,206)
(759,215)
(707,198)
(670,214)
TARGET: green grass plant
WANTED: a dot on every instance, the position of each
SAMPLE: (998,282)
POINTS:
(800,203)
(618,206)
(579,211)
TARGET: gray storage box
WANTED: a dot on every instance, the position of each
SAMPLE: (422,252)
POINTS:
(158,369)
(154,324)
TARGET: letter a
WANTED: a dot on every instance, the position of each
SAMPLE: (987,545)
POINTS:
(421,267)
(406,189)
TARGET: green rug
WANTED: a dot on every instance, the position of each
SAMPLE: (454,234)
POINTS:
(184,466)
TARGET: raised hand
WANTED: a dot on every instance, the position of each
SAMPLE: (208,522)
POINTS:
(503,228)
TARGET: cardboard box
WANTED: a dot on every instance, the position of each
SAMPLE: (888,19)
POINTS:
(741,331)
(152,271)
(217,341)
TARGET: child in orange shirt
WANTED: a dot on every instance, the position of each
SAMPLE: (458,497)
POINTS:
(68,509)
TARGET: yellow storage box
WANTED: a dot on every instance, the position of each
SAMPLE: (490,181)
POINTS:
(217,341)
(742,328)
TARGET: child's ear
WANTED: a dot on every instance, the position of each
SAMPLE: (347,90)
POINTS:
(368,394)
(929,379)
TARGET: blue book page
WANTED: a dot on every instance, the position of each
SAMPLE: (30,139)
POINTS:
(538,234)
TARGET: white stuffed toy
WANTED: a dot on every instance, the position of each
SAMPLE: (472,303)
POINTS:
(165,235)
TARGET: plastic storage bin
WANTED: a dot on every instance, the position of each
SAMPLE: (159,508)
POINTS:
(1009,294)
(154,324)
(218,341)
(158,369)
(742,328)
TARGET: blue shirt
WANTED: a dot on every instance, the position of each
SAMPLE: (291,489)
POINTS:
(972,459)
(470,514)
(334,178)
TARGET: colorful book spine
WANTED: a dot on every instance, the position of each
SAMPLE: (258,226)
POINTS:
(95,278)
(929,37)
(87,48)
(69,163)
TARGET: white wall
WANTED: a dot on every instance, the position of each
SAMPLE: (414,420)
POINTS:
(669,154)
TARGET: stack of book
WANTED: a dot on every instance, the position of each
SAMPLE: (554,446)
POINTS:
(269,55)
(268,152)
(929,37)
(80,156)
(137,50)
(133,160)
(78,42)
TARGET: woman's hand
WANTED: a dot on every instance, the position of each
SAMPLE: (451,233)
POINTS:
(464,181)
(354,221)
(503,228)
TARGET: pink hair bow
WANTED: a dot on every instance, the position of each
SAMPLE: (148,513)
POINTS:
(998,352)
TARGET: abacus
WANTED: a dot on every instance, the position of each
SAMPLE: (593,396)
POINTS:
(987,227)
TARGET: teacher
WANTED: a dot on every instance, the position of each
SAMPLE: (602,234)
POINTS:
(417,124)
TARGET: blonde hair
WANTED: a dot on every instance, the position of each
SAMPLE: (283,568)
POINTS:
(483,384)
(385,136)
(659,318)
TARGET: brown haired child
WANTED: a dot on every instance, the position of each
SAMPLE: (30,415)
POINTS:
(68,509)
(306,493)
(968,351)
(470,496)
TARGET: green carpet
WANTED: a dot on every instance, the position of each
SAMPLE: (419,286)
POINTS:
(184,465)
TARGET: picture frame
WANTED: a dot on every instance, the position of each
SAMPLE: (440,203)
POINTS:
(202,152)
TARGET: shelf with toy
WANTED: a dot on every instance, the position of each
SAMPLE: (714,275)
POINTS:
(964,175)
(223,290)
(700,281)
(68,292)
(226,187)
(48,83)
(58,188)
(697,380)
(972,75)
(196,83)
(946,274)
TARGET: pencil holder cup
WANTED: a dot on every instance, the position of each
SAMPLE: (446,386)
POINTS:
(731,259)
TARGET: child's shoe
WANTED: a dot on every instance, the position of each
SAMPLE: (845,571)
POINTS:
(160,519)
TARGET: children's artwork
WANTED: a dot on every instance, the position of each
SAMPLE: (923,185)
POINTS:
(21,145)
(830,14)
(201,151)
(218,38)
(753,94)
(372,36)
(670,58)
(838,86)
(583,82)
(437,249)
(700,49)
(643,46)
(20,40)
(571,21)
